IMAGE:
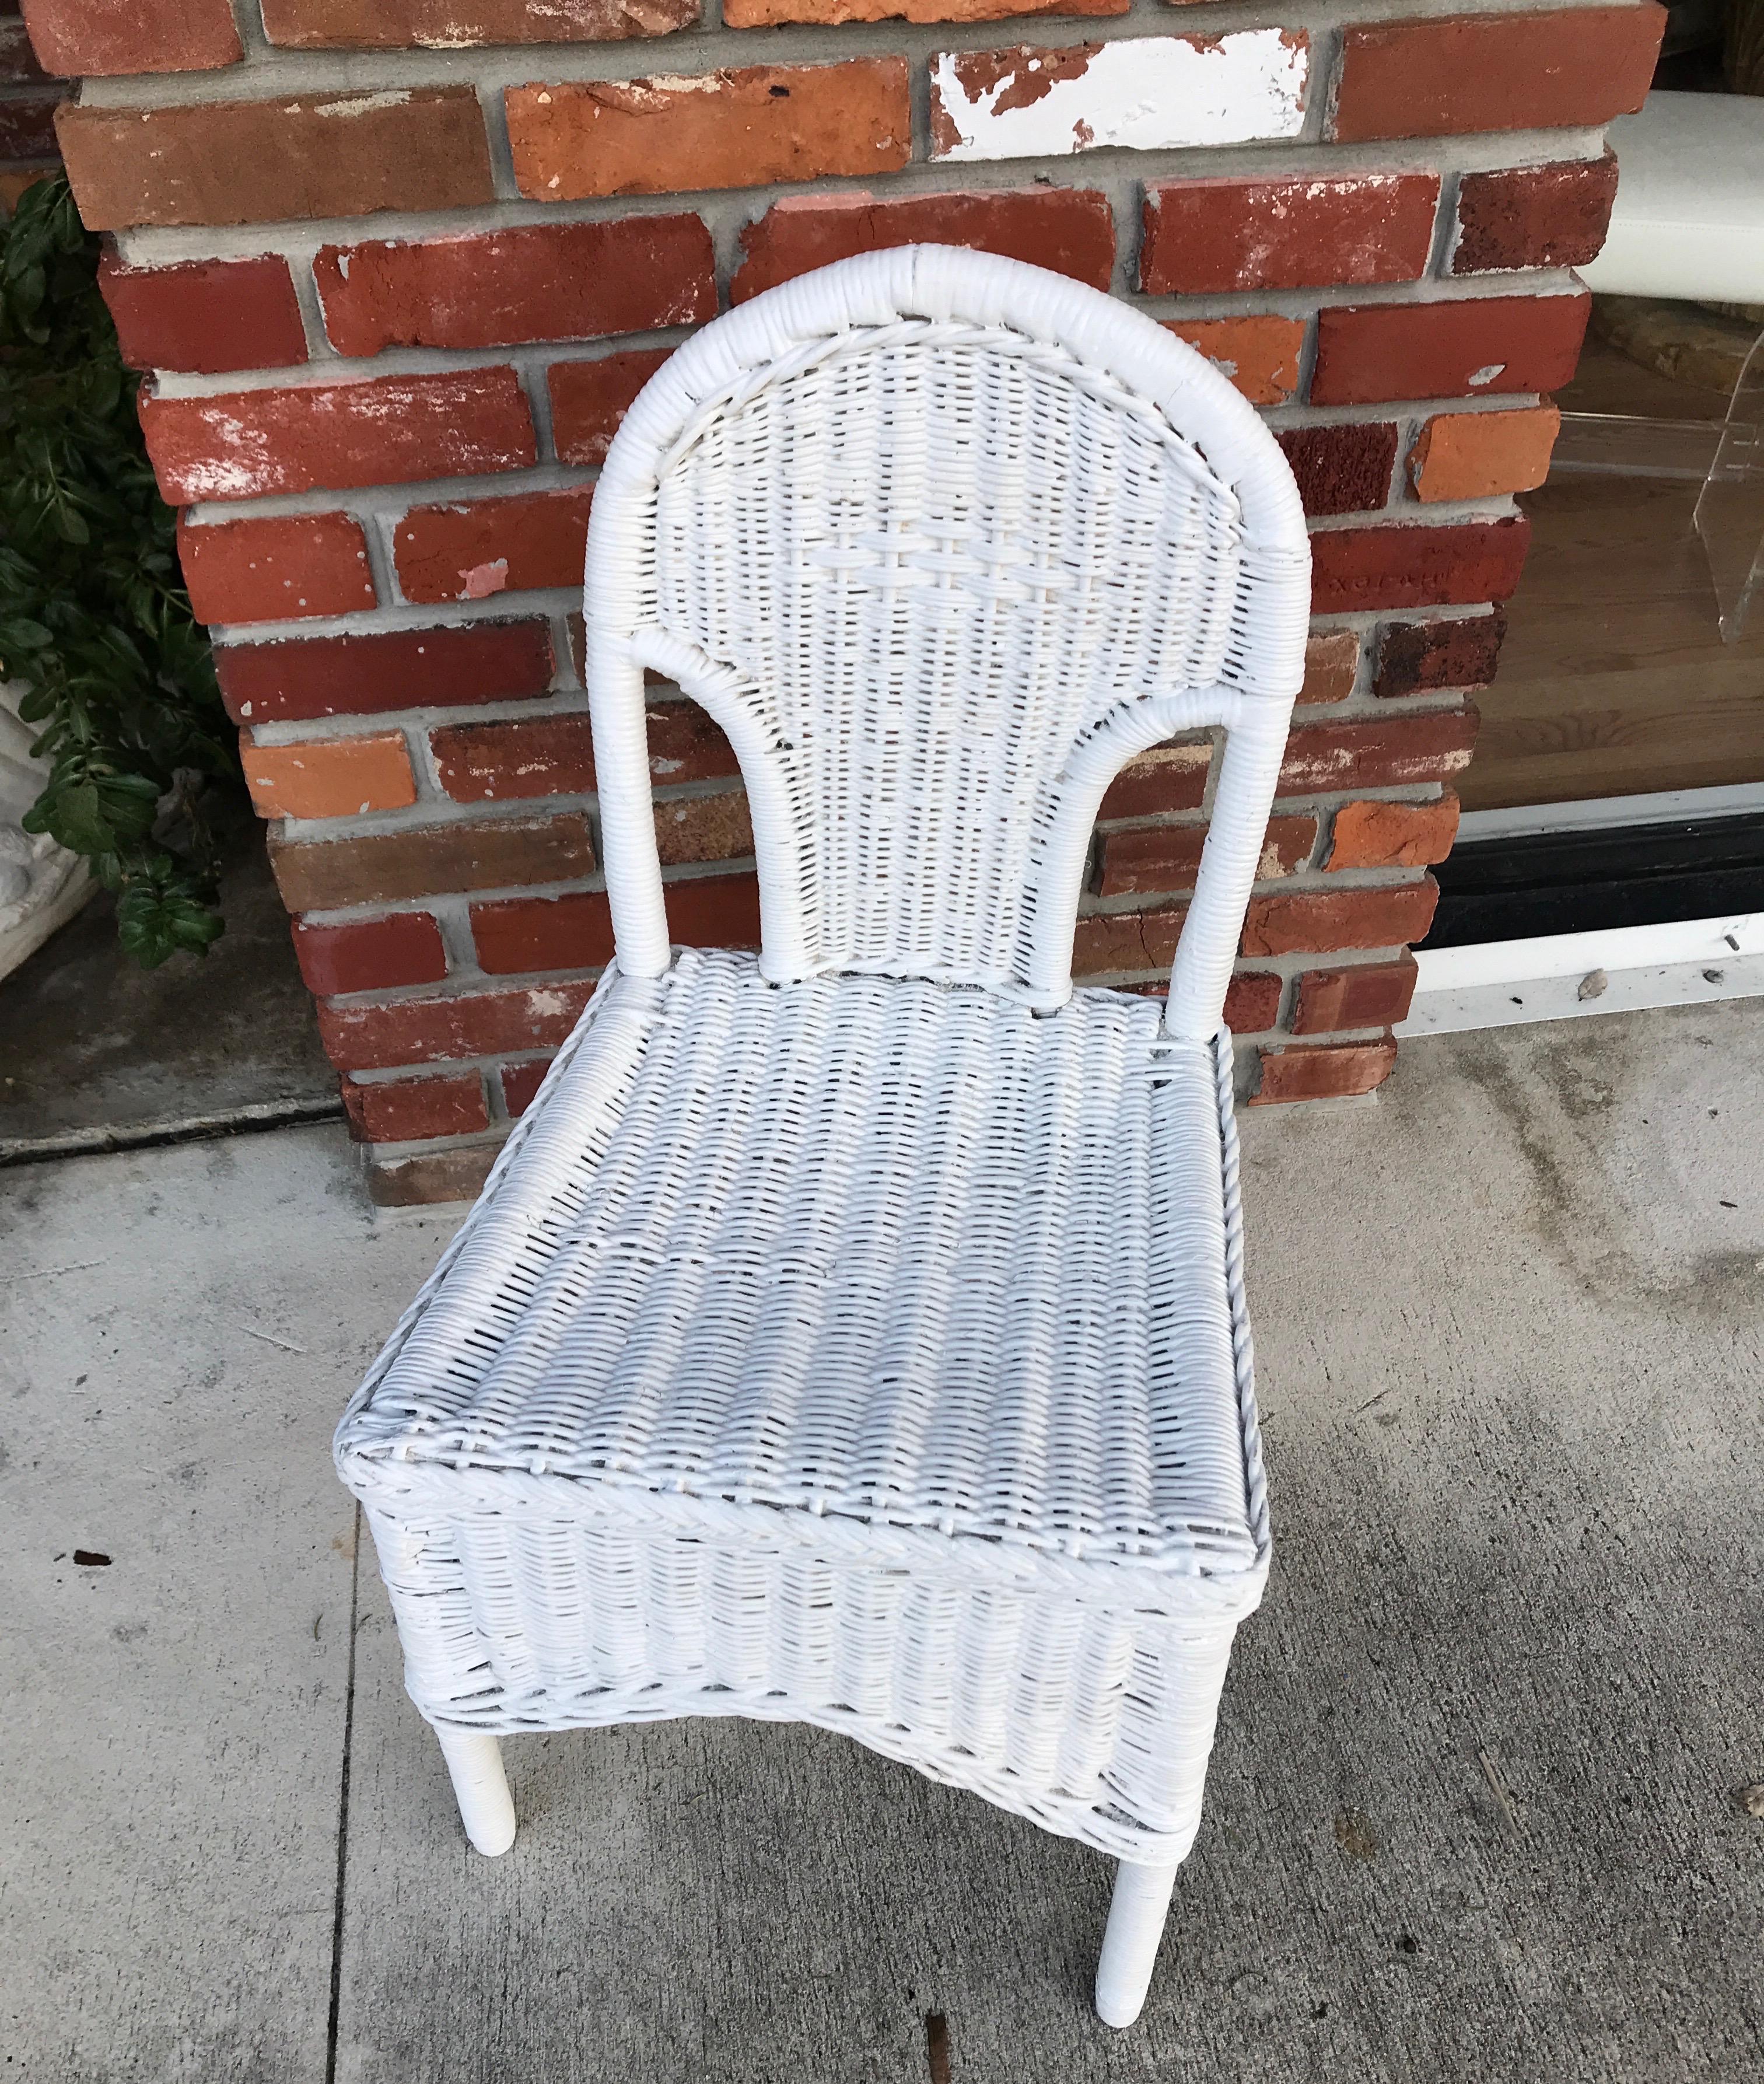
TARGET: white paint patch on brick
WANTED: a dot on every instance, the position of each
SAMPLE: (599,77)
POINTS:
(1147,93)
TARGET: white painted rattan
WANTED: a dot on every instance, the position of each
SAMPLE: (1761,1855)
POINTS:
(857,1334)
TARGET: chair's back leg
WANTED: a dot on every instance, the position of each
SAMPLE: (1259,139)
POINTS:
(1130,1944)
(486,1807)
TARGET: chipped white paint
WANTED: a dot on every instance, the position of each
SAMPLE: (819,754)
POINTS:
(364,104)
(1147,93)
(1487,373)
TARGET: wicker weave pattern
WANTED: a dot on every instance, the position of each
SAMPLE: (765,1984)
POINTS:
(857,1335)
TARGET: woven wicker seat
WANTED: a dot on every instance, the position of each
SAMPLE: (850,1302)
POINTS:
(855,1334)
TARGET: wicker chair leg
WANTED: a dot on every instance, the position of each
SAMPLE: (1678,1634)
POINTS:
(1130,1944)
(486,1807)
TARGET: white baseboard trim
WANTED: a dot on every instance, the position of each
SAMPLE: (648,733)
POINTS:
(1562,977)
(1668,807)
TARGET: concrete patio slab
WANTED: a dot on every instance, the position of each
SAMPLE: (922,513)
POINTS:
(1469,1816)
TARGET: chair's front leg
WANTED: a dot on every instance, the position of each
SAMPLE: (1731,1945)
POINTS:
(481,1786)
(1130,1944)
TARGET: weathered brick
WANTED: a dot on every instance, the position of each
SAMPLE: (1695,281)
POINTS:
(761,13)
(1252,1001)
(521,934)
(1144,93)
(1260,354)
(97,38)
(28,123)
(591,398)
(1167,857)
(553,756)
(1286,232)
(246,444)
(1331,666)
(1117,944)
(489,546)
(1367,352)
(1295,922)
(258,161)
(1361,995)
(452,25)
(405,1110)
(1070,231)
(205,316)
(704,828)
(431,1179)
(1400,566)
(428,860)
(1438,75)
(369,1037)
(1381,835)
(716,130)
(275,570)
(1552,216)
(370,955)
(1390,751)
(384,669)
(713,911)
(521,1083)
(1169,777)
(1420,657)
(547,282)
(1341,469)
(1474,455)
(1330,1070)
(340,777)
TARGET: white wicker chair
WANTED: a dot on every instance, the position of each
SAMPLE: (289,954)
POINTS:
(856,1335)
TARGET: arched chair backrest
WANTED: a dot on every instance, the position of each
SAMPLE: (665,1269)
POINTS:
(942,540)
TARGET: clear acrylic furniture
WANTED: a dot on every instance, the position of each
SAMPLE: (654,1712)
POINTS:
(856,1334)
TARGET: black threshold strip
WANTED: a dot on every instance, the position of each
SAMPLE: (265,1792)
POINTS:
(154,1135)
(1533,883)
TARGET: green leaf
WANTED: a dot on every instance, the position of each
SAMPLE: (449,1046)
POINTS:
(160,917)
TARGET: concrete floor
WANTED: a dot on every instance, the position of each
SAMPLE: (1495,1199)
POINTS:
(1470,1813)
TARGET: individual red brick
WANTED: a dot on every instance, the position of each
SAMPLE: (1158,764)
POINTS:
(551,756)
(489,546)
(715,130)
(360,1036)
(431,1179)
(704,828)
(275,570)
(1118,943)
(1476,456)
(685,745)
(1436,75)
(205,316)
(1341,469)
(521,1083)
(341,778)
(547,281)
(452,25)
(1252,1001)
(370,955)
(1391,751)
(1332,1070)
(1363,995)
(1331,666)
(1296,922)
(1471,346)
(713,911)
(1399,566)
(405,1110)
(1553,216)
(1069,230)
(525,934)
(262,162)
(1260,354)
(28,123)
(97,38)
(428,860)
(759,14)
(1166,857)
(591,398)
(1381,835)
(246,444)
(1286,232)
(1421,657)
(393,669)
(1169,777)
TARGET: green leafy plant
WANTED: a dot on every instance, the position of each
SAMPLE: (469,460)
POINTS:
(94,617)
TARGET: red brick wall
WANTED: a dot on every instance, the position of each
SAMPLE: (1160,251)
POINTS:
(400,265)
